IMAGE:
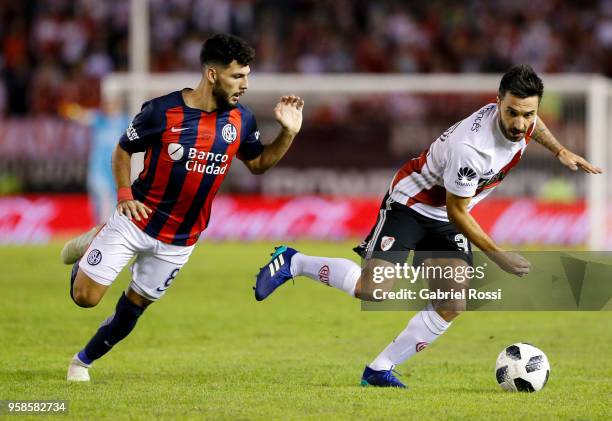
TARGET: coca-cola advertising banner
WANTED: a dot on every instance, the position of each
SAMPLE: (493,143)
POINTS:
(38,219)
(41,218)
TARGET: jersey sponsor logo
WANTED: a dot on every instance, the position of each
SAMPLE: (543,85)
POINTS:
(94,257)
(176,151)
(465,175)
(206,162)
(386,243)
(178,129)
(324,275)
(420,346)
(479,116)
(229,133)
(490,172)
(130,132)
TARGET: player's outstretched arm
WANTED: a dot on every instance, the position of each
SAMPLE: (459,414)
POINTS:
(544,137)
(288,113)
(457,209)
(126,205)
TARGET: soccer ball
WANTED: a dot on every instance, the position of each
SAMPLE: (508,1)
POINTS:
(522,367)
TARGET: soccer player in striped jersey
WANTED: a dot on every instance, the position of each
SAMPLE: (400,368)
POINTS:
(426,209)
(190,138)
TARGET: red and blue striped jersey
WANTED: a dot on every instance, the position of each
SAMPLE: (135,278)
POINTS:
(188,153)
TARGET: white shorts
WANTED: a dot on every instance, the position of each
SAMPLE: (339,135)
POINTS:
(156,264)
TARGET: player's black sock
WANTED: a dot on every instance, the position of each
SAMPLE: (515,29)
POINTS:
(112,330)
(73,274)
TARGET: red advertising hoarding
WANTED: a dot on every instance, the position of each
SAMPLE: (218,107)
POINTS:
(40,218)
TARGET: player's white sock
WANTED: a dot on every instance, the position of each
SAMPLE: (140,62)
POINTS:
(422,329)
(335,272)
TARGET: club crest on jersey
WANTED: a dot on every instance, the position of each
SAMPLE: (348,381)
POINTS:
(386,243)
(229,133)
(176,151)
(94,257)
(465,176)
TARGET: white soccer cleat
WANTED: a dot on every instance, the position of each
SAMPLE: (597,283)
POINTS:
(78,371)
(75,248)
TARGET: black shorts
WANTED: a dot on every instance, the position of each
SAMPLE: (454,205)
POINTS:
(400,229)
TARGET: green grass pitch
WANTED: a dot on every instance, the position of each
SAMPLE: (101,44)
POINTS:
(209,350)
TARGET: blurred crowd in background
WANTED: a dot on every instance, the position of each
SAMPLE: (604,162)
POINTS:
(56,137)
(54,52)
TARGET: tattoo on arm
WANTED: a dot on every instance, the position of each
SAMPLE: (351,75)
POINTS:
(544,137)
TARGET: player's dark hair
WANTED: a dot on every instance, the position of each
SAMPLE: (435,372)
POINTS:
(225,48)
(521,81)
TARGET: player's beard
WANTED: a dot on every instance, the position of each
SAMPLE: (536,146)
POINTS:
(221,97)
(509,134)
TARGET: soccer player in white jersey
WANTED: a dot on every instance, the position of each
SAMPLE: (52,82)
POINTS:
(426,209)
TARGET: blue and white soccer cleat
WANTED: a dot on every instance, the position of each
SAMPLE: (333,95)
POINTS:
(382,378)
(275,273)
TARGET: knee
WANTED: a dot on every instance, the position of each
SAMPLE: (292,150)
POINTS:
(84,297)
(137,299)
(367,296)
(449,314)
(364,290)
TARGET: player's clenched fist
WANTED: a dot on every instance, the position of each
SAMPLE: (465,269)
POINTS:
(133,209)
(288,113)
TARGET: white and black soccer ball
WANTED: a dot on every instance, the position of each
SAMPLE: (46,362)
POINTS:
(522,367)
